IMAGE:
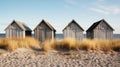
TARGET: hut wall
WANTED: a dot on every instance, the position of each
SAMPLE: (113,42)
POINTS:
(43,32)
(14,31)
(102,31)
(73,31)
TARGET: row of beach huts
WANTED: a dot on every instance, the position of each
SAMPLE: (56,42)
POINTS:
(44,30)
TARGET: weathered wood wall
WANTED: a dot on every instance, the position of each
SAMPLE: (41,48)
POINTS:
(73,31)
(102,31)
(14,31)
(43,32)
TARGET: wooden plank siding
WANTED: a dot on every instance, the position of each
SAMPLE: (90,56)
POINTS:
(73,30)
(44,32)
(100,30)
(17,29)
(14,31)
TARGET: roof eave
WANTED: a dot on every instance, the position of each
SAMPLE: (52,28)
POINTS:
(12,23)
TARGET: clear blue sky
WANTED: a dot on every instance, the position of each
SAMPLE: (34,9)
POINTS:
(60,12)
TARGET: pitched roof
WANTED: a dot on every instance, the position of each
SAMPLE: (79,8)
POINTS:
(47,23)
(73,21)
(21,25)
(91,28)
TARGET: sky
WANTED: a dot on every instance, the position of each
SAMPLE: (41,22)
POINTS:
(60,12)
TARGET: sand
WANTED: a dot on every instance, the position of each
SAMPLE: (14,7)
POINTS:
(23,57)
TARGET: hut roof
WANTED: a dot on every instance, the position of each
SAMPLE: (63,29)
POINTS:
(97,23)
(47,23)
(23,26)
(73,21)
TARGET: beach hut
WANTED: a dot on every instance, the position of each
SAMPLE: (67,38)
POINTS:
(44,31)
(73,30)
(100,30)
(17,29)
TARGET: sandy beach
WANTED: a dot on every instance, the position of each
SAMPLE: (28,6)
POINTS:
(23,57)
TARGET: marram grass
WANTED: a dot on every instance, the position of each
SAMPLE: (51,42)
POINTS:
(67,43)
(86,44)
(14,43)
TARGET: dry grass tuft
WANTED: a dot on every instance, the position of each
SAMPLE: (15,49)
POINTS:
(50,44)
(14,43)
(115,45)
(87,44)
(3,42)
(65,44)
(68,43)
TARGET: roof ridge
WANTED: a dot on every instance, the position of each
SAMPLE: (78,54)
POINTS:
(94,25)
(75,23)
(47,23)
(21,25)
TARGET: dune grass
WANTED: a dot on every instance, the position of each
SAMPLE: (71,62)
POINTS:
(115,45)
(86,44)
(65,44)
(50,45)
(14,43)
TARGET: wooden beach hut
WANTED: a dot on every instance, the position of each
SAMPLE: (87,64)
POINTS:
(44,31)
(73,30)
(100,30)
(17,29)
